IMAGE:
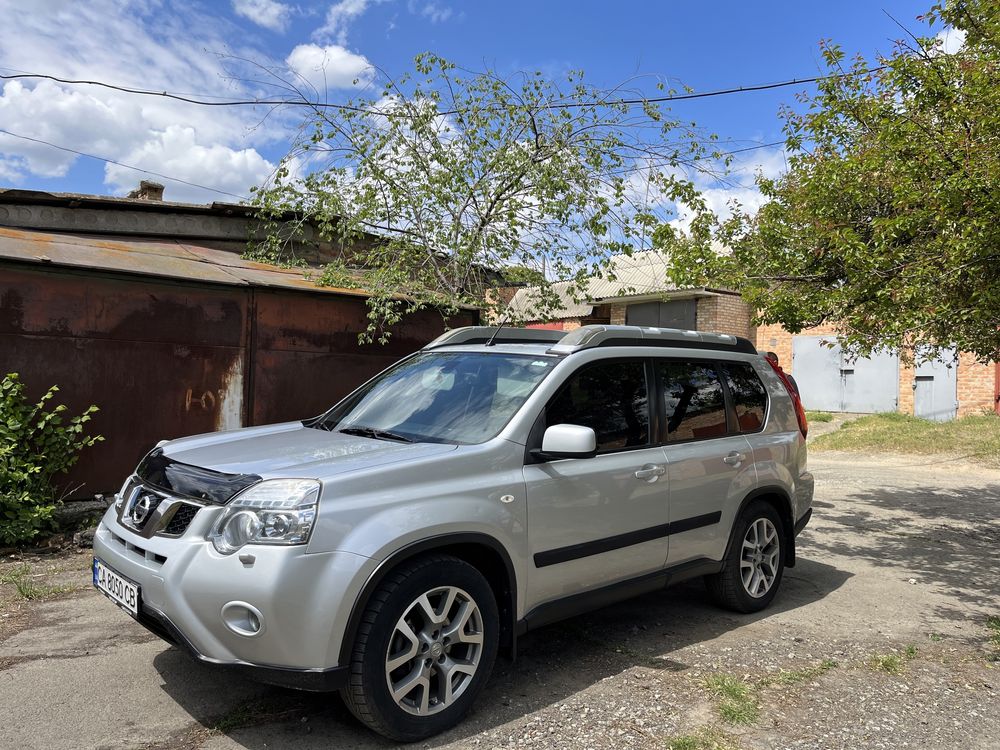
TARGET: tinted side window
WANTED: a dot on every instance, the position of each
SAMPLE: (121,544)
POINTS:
(611,399)
(694,400)
(749,396)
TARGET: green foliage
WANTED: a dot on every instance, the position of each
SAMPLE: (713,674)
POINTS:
(523,275)
(887,221)
(445,177)
(37,444)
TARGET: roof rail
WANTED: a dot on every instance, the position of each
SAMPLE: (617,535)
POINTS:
(589,337)
(482,334)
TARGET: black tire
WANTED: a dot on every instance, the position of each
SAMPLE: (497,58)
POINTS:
(368,694)
(727,587)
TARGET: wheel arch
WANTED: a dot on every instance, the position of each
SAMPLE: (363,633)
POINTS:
(487,554)
(779,498)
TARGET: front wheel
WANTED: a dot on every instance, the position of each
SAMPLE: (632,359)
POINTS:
(755,562)
(425,648)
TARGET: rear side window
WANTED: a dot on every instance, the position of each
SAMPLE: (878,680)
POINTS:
(749,396)
(611,398)
(694,400)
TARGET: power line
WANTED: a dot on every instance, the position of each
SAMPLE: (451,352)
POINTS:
(392,113)
(243,197)
(120,164)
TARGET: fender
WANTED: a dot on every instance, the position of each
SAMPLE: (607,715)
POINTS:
(786,519)
(506,591)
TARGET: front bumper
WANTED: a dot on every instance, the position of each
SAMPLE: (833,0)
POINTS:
(312,680)
(304,600)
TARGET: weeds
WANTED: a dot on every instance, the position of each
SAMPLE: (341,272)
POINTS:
(819,416)
(794,677)
(993,625)
(738,702)
(892,663)
(705,738)
(29,589)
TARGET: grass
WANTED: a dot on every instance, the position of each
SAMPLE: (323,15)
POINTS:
(993,625)
(29,589)
(975,435)
(794,677)
(705,738)
(892,663)
(738,702)
(819,416)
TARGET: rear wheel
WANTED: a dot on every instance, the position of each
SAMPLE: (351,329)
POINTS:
(755,563)
(425,648)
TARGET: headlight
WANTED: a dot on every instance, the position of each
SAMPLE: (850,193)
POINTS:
(275,511)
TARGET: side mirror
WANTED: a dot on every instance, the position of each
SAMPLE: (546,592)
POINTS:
(567,441)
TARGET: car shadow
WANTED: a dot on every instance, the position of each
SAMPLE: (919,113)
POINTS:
(943,537)
(553,663)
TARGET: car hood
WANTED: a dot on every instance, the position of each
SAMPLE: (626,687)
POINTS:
(293,450)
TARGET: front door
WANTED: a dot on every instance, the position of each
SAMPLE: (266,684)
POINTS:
(595,521)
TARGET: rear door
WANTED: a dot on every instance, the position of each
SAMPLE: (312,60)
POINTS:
(709,459)
(595,521)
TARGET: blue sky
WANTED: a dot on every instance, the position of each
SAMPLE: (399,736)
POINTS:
(179,46)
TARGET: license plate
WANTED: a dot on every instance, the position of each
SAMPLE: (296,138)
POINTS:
(120,590)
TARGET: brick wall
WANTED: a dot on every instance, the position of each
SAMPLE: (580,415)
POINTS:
(725,313)
(617,313)
(976,381)
(976,385)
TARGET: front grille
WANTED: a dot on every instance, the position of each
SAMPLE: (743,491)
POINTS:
(150,512)
(181,519)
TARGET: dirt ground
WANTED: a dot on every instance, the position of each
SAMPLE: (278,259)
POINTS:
(878,639)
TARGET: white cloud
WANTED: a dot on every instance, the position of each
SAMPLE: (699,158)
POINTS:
(432,10)
(738,187)
(49,112)
(330,67)
(339,17)
(952,40)
(176,152)
(267,13)
(143,45)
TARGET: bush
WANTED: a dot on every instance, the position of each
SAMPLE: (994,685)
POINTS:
(36,445)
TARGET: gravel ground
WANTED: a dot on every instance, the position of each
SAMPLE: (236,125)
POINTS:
(878,639)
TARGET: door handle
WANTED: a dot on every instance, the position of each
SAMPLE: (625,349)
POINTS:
(650,472)
(735,458)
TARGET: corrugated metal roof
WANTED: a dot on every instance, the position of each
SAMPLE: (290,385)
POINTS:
(628,276)
(170,259)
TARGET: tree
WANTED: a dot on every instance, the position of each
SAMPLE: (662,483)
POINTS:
(887,221)
(459,175)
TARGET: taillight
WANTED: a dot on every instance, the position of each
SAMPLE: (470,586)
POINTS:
(800,412)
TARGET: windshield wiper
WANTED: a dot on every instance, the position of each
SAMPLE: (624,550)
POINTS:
(371,432)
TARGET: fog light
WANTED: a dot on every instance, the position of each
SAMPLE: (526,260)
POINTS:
(243,619)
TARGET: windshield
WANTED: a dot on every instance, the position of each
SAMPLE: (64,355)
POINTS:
(441,397)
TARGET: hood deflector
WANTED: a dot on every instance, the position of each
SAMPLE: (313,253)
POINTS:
(195,482)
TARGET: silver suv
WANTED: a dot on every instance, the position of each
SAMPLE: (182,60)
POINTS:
(491,483)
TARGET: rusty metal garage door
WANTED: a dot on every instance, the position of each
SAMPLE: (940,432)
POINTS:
(830,381)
